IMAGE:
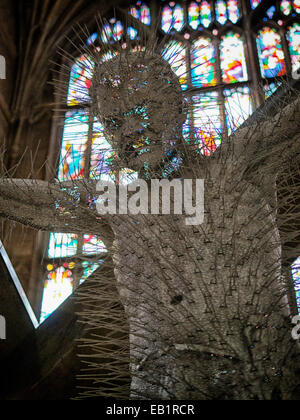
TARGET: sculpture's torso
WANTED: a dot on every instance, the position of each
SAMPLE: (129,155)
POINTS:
(196,295)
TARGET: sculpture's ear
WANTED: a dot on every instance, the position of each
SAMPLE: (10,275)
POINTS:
(138,99)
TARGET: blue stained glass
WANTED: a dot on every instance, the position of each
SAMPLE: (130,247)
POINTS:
(255,3)
(271,11)
(238,107)
(132,33)
(74,142)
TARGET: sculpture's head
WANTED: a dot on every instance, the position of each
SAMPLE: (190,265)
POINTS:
(138,99)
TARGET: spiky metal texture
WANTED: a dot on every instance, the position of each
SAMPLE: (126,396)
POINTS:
(208,307)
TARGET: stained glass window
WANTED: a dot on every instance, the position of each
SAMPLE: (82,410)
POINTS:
(271,12)
(293,36)
(92,245)
(80,81)
(175,53)
(145,15)
(207,122)
(233,10)
(62,245)
(166,19)
(101,155)
(112,31)
(296,278)
(172,17)
(255,3)
(74,143)
(233,62)
(194,15)
(221,11)
(57,288)
(203,63)
(286,7)
(270,53)
(107,33)
(141,12)
(296,5)
(204,57)
(238,106)
(205,12)
(270,88)
(199,13)
(89,268)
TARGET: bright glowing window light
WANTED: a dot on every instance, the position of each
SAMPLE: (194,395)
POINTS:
(296,278)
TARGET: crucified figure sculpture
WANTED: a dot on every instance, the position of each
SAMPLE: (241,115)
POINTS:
(207,305)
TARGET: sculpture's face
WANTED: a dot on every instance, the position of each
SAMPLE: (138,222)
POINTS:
(138,99)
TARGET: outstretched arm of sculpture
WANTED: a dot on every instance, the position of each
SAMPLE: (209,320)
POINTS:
(271,142)
(55,207)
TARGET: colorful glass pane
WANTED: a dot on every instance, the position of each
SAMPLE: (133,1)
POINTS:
(203,63)
(73,147)
(178,17)
(255,3)
(270,53)
(89,268)
(92,245)
(296,5)
(270,88)
(172,18)
(101,155)
(205,13)
(62,245)
(233,62)
(167,19)
(175,53)
(91,40)
(145,14)
(238,107)
(57,288)
(271,12)
(221,11)
(296,278)
(107,33)
(293,36)
(286,7)
(118,30)
(233,10)
(134,12)
(207,122)
(80,81)
(141,12)
(132,33)
(194,15)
